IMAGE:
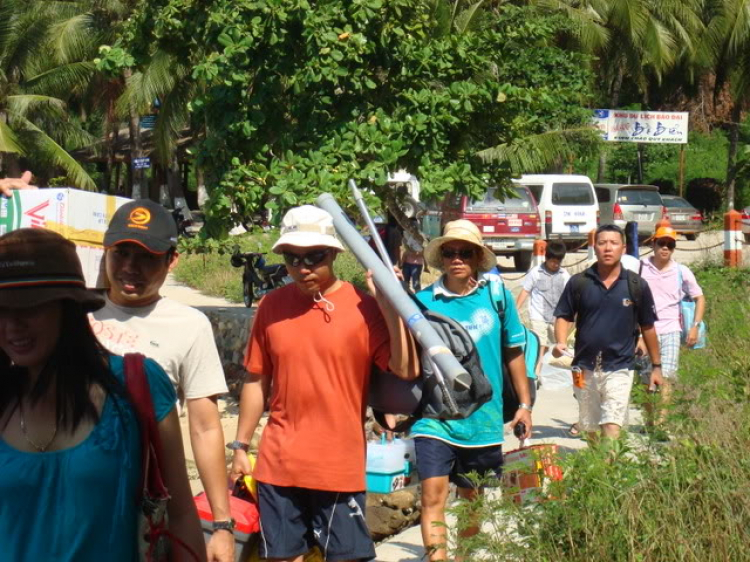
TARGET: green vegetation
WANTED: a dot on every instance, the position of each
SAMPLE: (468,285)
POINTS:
(208,267)
(267,103)
(35,122)
(686,499)
(300,96)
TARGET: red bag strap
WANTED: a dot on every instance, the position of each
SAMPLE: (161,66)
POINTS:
(151,451)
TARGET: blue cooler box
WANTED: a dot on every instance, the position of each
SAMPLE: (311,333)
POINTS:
(389,465)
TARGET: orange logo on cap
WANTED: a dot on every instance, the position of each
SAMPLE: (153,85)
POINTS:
(140,216)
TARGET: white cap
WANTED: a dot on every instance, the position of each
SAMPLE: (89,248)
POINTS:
(306,227)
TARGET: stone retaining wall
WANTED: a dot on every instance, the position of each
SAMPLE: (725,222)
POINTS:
(231,326)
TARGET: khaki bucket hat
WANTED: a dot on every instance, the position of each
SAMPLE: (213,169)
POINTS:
(465,231)
(306,227)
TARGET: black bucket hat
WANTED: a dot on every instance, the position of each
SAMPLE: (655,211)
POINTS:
(39,266)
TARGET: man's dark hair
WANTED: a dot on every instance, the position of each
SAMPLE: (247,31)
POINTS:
(610,228)
(555,251)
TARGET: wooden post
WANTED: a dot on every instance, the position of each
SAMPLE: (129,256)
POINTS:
(640,162)
(682,170)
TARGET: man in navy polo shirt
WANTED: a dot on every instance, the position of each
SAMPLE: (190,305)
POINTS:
(606,321)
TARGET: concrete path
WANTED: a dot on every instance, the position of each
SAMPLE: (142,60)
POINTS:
(175,290)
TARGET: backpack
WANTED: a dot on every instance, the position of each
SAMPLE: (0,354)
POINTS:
(635,287)
(531,349)
(425,397)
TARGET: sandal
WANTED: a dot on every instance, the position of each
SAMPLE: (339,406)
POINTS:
(573,430)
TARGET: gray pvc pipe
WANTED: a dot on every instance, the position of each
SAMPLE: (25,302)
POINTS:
(420,328)
(359,200)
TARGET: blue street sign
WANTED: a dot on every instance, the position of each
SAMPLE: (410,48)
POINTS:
(141,163)
(148,121)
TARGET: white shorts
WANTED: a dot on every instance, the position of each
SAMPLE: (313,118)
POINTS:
(545,331)
(669,347)
(604,398)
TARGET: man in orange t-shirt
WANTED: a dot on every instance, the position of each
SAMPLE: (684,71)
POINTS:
(315,342)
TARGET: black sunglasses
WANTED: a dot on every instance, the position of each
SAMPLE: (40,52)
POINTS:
(309,259)
(464,254)
(671,244)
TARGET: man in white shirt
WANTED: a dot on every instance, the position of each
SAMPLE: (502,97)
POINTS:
(141,250)
(544,284)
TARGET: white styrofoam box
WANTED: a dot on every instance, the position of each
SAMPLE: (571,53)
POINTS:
(80,216)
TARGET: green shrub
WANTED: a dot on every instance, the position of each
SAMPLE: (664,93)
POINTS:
(641,500)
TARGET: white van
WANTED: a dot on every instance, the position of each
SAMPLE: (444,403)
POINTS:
(567,205)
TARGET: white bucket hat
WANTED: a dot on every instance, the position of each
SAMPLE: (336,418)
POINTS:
(465,231)
(306,227)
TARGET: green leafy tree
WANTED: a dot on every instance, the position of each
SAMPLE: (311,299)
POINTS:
(635,43)
(725,50)
(33,124)
(301,96)
(100,77)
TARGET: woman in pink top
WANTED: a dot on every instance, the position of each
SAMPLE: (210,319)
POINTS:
(663,275)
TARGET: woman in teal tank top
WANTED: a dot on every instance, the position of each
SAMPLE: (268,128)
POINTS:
(70,451)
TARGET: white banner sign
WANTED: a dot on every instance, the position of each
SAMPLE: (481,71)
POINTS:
(619,125)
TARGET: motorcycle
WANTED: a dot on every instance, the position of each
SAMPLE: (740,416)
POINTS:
(184,225)
(257,277)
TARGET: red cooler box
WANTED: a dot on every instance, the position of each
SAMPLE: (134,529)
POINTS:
(246,515)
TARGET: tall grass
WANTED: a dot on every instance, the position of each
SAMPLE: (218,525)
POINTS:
(686,499)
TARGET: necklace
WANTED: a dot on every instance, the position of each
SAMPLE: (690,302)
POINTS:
(37,446)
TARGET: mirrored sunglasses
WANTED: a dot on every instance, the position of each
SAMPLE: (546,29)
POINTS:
(309,259)
(464,254)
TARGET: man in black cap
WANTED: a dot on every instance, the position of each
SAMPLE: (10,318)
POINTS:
(140,245)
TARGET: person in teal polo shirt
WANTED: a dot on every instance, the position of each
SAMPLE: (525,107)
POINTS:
(448,450)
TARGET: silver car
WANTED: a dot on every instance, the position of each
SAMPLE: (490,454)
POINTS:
(685,218)
(621,203)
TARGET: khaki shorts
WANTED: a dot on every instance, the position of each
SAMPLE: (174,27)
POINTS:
(545,331)
(605,398)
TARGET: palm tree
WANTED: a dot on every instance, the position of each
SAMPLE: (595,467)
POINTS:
(170,82)
(725,50)
(634,42)
(121,95)
(33,124)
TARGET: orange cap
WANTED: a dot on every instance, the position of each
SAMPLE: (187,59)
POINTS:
(665,232)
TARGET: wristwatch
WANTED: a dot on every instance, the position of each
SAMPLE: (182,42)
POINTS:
(224,525)
(655,365)
(235,445)
(523,406)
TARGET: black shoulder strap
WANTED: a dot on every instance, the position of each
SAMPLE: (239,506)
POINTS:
(580,282)
(496,288)
(635,287)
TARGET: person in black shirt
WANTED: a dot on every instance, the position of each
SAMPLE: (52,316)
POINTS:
(607,317)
